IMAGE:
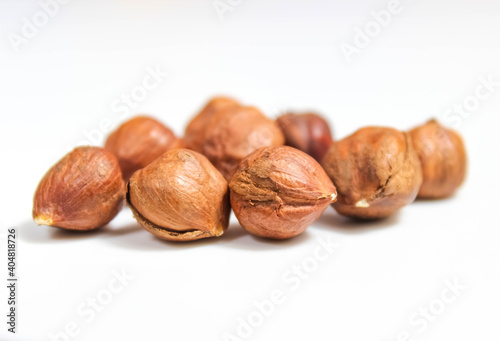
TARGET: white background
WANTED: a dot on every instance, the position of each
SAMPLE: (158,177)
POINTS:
(277,55)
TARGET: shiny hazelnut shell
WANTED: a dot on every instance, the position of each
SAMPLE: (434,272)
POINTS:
(443,157)
(376,172)
(307,132)
(277,192)
(138,142)
(83,191)
(180,197)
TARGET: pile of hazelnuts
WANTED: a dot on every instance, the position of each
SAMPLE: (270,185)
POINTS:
(278,176)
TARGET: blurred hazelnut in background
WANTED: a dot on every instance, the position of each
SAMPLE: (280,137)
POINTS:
(443,158)
(194,136)
(307,132)
(230,133)
(138,142)
(376,172)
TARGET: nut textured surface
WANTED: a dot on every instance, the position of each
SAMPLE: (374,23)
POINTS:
(443,157)
(194,135)
(308,132)
(376,172)
(180,196)
(83,191)
(277,192)
(234,133)
(138,142)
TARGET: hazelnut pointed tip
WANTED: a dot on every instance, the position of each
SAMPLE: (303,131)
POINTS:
(334,197)
(363,203)
(219,231)
(43,220)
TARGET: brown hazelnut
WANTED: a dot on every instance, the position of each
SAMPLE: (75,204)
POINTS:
(235,132)
(376,172)
(195,131)
(277,192)
(180,197)
(307,132)
(83,191)
(138,142)
(443,157)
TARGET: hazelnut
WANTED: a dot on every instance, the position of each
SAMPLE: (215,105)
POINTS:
(376,172)
(194,134)
(83,191)
(307,132)
(443,157)
(138,142)
(277,192)
(235,132)
(180,196)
